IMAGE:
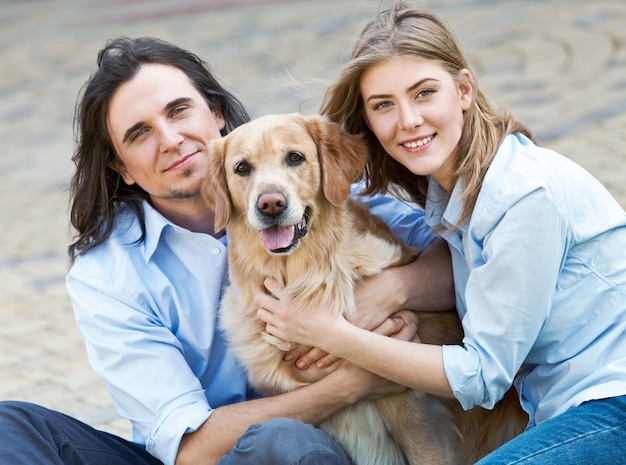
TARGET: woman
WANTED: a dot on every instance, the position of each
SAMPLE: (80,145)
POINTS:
(538,248)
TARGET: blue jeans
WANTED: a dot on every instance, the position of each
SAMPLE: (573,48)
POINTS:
(284,441)
(594,433)
(33,435)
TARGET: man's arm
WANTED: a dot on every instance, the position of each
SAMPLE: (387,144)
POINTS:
(425,284)
(311,404)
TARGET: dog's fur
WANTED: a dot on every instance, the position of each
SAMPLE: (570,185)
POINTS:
(281,184)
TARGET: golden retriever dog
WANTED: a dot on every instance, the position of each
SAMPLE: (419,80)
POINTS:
(281,186)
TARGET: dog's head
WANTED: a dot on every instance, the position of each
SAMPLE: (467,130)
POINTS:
(275,171)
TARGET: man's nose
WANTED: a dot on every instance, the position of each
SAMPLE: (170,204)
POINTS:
(169,138)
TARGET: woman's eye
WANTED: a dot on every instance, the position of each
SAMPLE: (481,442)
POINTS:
(382,105)
(294,158)
(425,93)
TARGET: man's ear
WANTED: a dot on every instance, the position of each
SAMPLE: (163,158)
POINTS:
(220,122)
(117,166)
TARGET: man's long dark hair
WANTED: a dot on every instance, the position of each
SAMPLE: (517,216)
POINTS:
(96,190)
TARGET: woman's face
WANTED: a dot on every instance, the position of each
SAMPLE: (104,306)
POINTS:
(415,109)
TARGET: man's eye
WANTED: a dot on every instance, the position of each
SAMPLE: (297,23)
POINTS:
(242,168)
(179,109)
(295,158)
(138,134)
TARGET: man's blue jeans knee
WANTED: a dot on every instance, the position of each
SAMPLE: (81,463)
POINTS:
(593,433)
(33,435)
(285,442)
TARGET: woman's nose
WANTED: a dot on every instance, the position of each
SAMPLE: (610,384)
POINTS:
(410,117)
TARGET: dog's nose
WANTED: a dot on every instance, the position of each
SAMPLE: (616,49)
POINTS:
(271,203)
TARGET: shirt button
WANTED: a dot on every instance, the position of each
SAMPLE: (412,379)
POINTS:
(216,251)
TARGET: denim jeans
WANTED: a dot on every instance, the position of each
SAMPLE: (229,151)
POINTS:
(594,433)
(33,435)
(284,441)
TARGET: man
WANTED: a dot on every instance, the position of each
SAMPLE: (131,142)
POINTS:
(148,271)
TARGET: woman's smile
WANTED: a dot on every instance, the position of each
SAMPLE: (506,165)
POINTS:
(421,143)
(415,109)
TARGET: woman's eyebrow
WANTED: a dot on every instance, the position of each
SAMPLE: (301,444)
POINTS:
(420,82)
(412,87)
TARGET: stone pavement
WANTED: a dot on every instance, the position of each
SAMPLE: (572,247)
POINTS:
(559,65)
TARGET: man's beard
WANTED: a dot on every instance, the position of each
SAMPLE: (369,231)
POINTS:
(187,193)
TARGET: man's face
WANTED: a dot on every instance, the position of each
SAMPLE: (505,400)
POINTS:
(160,126)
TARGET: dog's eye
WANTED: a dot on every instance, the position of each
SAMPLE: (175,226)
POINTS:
(295,158)
(242,168)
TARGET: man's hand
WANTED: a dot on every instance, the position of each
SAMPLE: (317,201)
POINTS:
(376,298)
(363,384)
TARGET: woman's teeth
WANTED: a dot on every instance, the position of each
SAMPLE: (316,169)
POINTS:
(418,143)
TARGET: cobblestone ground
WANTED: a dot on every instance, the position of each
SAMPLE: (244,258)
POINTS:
(560,66)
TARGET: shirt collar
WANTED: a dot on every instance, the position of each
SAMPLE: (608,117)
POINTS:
(155,225)
(441,209)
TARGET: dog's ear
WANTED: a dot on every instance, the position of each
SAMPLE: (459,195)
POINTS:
(214,189)
(342,157)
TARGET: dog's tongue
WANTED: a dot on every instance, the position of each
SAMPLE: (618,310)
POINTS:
(277,237)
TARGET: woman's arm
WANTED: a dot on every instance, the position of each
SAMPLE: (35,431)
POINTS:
(507,298)
(407,363)
(424,284)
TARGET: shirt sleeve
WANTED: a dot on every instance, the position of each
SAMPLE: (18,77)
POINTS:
(141,362)
(510,287)
(405,220)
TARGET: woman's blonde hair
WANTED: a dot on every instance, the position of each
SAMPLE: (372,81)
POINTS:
(404,31)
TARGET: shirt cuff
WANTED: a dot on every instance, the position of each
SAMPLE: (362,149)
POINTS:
(464,376)
(165,441)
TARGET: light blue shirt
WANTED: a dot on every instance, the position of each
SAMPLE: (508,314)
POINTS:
(540,278)
(148,313)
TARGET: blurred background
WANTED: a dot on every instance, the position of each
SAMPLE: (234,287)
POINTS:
(558,65)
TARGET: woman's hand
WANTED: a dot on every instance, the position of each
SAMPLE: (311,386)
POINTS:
(306,356)
(305,326)
(373,307)
(285,321)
